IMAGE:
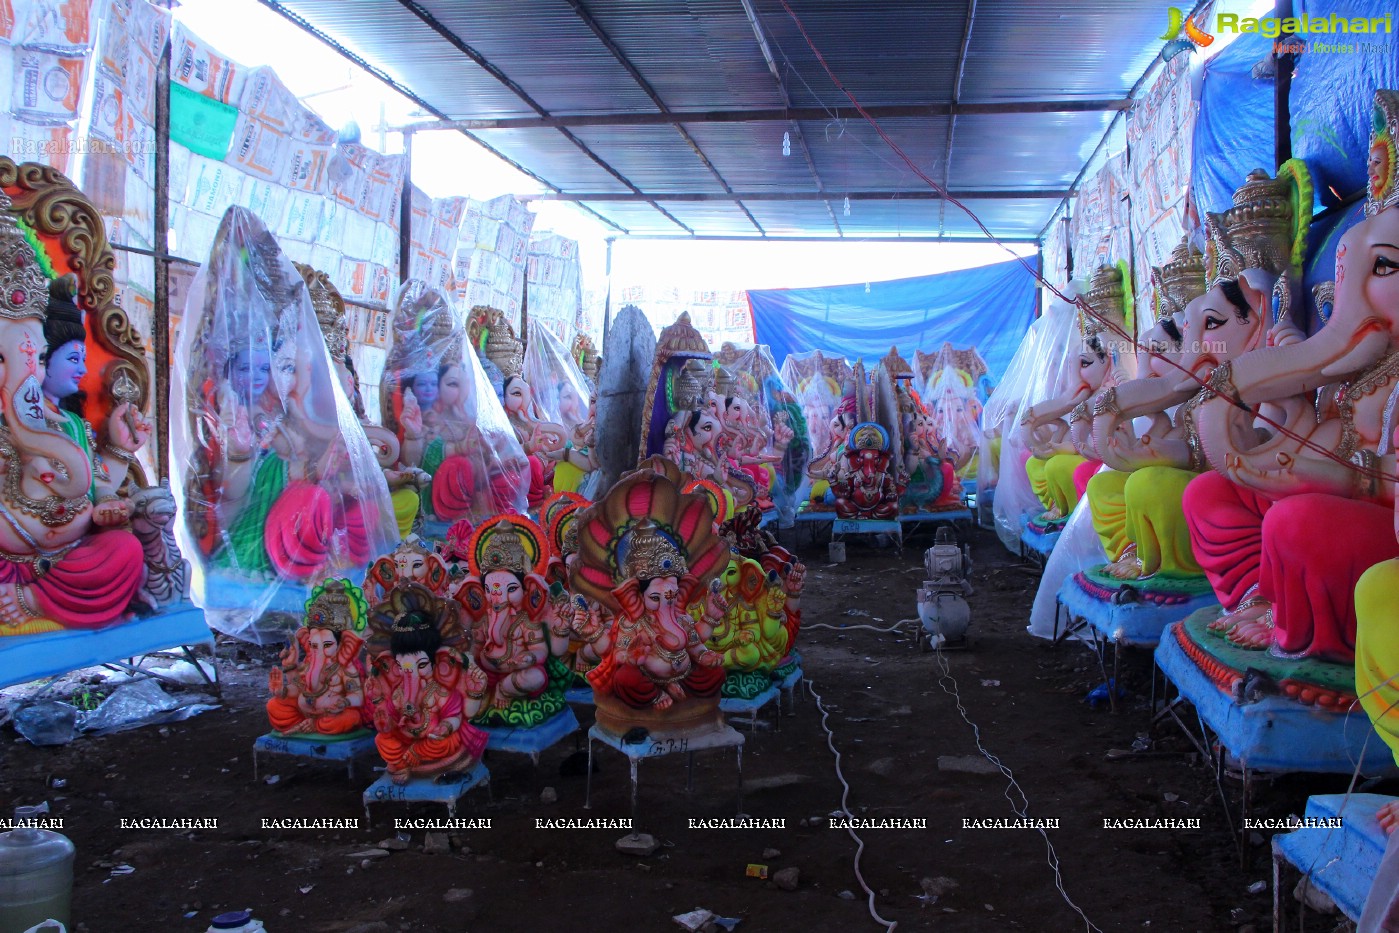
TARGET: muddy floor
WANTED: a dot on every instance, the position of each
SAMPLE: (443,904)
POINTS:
(906,753)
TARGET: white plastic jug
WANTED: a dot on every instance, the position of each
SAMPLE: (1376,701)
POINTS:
(36,874)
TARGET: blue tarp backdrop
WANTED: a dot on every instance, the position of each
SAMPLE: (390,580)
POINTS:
(989,308)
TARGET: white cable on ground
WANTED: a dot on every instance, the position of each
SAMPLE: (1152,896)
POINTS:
(1024,804)
(843,628)
(845,806)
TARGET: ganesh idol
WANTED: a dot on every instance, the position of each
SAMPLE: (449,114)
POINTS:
(317,685)
(648,552)
(1056,430)
(281,484)
(438,403)
(423,686)
(565,400)
(1289,586)
(518,639)
(404,484)
(541,439)
(68,559)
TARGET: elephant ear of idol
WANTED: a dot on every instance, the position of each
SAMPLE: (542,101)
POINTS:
(70,229)
(686,519)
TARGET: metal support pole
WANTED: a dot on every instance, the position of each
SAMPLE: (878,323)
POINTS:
(1282,88)
(160,322)
(607,301)
(405,211)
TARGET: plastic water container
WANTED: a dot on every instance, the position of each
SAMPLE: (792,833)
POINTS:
(238,921)
(36,875)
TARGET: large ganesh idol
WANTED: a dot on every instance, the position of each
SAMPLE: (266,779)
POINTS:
(519,641)
(648,553)
(504,353)
(869,481)
(1284,529)
(684,416)
(281,484)
(562,395)
(423,687)
(70,396)
(404,484)
(817,382)
(953,396)
(317,686)
(442,408)
(1058,430)
(917,464)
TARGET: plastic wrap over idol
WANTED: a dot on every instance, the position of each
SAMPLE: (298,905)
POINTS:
(281,486)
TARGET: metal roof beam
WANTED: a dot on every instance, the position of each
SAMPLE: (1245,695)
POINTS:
(956,96)
(787,99)
(297,20)
(668,117)
(485,65)
(586,16)
(859,238)
(923,194)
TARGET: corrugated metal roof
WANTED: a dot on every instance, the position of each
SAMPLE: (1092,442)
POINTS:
(600,82)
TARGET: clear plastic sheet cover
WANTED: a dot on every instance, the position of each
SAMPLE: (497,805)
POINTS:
(1040,370)
(817,382)
(1078,548)
(780,433)
(438,400)
(560,389)
(279,485)
(950,398)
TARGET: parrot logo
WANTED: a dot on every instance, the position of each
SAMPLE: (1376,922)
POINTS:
(1194,35)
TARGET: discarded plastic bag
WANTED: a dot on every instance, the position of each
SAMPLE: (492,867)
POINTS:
(47,722)
(141,704)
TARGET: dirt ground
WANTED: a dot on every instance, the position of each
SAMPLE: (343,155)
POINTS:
(892,721)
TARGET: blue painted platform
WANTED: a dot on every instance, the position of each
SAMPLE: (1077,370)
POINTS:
(827,516)
(222,593)
(944,515)
(1041,544)
(533,741)
(1340,862)
(793,678)
(446,791)
(342,749)
(1275,734)
(34,657)
(1139,624)
(581,696)
(864,526)
(768,518)
(752,705)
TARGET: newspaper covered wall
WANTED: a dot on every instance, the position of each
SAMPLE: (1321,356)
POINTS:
(491,255)
(555,285)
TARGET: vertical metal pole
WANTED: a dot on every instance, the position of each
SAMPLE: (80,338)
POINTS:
(160,323)
(1282,87)
(405,211)
(607,301)
(524,305)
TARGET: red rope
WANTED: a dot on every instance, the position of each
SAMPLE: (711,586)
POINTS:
(1077,302)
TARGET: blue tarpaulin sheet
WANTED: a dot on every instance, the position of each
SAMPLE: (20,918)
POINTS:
(1333,95)
(989,308)
(1234,130)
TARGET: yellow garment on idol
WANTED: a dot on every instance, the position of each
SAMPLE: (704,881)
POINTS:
(1156,521)
(1059,475)
(1034,468)
(405,509)
(1108,502)
(567,477)
(1377,649)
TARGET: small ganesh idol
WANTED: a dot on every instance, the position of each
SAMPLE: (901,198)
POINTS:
(583,624)
(318,685)
(423,686)
(649,552)
(67,559)
(543,440)
(281,484)
(411,562)
(438,402)
(515,644)
(867,485)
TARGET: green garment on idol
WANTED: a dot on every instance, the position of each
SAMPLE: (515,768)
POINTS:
(432,459)
(75,428)
(245,549)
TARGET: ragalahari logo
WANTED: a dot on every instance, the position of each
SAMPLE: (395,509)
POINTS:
(1194,35)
